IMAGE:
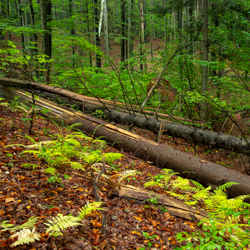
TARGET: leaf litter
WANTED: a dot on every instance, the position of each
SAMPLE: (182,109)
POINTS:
(130,224)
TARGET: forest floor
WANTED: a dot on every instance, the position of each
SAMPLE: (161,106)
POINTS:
(131,224)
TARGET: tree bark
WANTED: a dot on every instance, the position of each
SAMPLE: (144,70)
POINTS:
(123,27)
(106,32)
(143,63)
(189,166)
(205,57)
(45,6)
(97,38)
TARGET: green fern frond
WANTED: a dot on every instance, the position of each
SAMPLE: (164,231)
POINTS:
(92,157)
(226,186)
(180,196)
(73,126)
(15,145)
(41,144)
(202,194)
(74,142)
(127,173)
(60,223)
(89,208)
(191,203)
(29,224)
(50,170)
(110,157)
(238,202)
(153,183)
(167,171)
(76,165)
(34,152)
(31,139)
(181,183)
(26,236)
(29,165)
(197,185)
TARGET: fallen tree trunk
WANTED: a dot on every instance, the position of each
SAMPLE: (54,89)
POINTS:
(98,102)
(207,173)
(190,134)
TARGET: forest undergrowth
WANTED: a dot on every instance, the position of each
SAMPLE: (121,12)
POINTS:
(46,205)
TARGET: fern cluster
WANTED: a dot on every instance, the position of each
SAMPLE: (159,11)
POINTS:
(216,201)
(64,150)
(26,233)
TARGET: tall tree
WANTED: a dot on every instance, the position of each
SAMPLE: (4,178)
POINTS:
(205,56)
(143,63)
(106,32)
(46,6)
(123,27)
(97,38)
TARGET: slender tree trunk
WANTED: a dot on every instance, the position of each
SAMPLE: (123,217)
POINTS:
(34,50)
(143,63)
(151,32)
(8,16)
(88,30)
(97,38)
(123,20)
(205,57)
(72,31)
(106,32)
(21,24)
(47,38)
(2,13)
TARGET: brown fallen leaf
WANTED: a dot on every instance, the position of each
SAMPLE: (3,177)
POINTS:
(103,244)
(9,199)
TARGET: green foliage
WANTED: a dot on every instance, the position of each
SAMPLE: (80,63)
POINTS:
(30,165)
(60,223)
(225,214)
(25,236)
(54,227)
(216,235)
(150,239)
(10,227)
(89,208)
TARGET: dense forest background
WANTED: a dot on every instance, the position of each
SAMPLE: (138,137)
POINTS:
(113,50)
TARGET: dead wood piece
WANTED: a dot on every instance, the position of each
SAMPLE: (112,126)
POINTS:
(175,207)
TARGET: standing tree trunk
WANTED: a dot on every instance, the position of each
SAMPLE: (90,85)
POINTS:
(47,38)
(2,13)
(8,16)
(72,31)
(88,30)
(106,32)
(97,38)
(143,63)
(34,50)
(21,24)
(151,31)
(123,23)
(205,57)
